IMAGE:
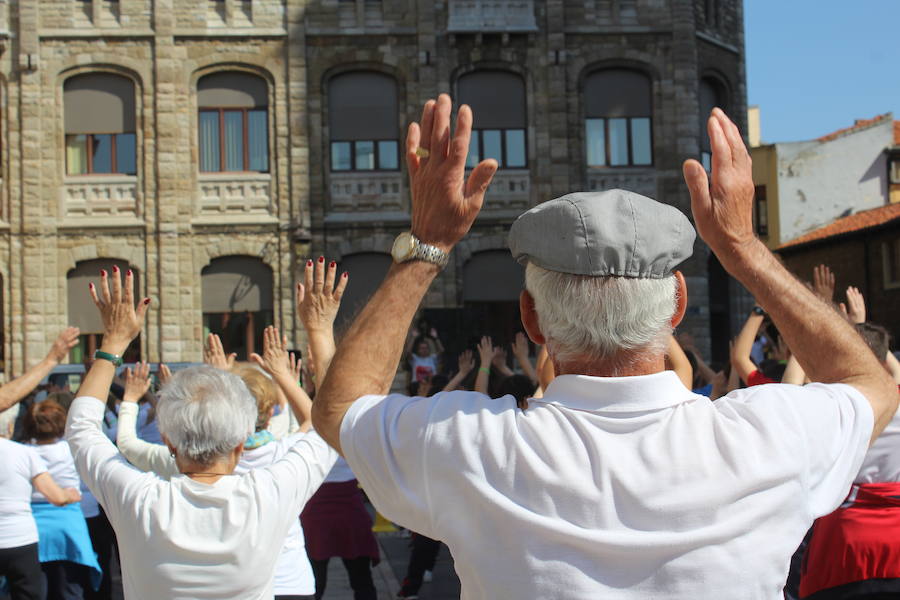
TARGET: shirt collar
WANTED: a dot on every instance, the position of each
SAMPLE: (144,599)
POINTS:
(618,394)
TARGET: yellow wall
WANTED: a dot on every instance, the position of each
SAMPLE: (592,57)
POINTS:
(765,172)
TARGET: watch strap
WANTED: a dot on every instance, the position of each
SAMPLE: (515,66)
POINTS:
(115,360)
(431,254)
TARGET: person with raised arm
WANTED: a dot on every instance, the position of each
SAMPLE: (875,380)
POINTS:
(618,483)
(14,391)
(206,533)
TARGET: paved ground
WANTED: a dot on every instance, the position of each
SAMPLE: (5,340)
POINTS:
(390,571)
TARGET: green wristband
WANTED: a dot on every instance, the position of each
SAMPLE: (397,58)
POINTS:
(115,360)
(484,370)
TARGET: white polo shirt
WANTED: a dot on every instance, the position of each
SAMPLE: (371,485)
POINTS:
(616,488)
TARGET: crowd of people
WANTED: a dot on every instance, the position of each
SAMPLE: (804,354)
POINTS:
(599,455)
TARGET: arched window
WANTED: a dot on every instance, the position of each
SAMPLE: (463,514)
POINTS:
(367,270)
(712,94)
(99,124)
(362,122)
(498,104)
(234,122)
(85,316)
(237,302)
(618,112)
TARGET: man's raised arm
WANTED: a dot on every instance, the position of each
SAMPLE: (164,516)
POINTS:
(21,386)
(826,346)
(444,205)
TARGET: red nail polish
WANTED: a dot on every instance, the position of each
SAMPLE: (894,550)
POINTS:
(321,259)
(344,275)
(309,263)
(115,269)
(146,300)
(91,285)
(102,272)
(332,264)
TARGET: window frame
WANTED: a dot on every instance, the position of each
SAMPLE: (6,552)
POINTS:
(760,207)
(890,253)
(376,153)
(628,136)
(245,137)
(503,153)
(113,150)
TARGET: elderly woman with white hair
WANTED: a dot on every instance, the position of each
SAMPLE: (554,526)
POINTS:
(204,533)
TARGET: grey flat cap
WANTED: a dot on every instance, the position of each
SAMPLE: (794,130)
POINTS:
(614,232)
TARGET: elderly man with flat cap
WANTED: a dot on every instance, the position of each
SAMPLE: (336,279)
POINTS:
(619,482)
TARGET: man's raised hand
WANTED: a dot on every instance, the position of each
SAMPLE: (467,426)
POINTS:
(65,341)
(274,360)
(823,282)
(122,322)
(319,297)
(444,203)
(723,212)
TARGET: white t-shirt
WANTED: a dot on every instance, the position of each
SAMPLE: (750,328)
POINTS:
(61,465)
(293,573)
(19,465)
(882,462)
(422,366)
(614,488)
(182,538)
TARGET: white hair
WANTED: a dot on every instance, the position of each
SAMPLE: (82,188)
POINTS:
(205,413)
(599,318)
(8,420)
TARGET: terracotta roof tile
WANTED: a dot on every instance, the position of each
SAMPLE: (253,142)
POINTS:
(857,125)
(859,221)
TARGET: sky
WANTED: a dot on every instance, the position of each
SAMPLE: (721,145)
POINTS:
(814,66)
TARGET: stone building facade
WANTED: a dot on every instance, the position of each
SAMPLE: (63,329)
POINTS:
(212,145)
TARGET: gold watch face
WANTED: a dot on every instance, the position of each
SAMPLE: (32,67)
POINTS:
(404,247)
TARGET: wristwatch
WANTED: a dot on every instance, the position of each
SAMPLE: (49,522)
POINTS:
(408,247)
(115,360)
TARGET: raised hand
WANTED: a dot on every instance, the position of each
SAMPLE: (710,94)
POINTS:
(486,351)
(823,282)
(856,305)
(214,354)
(520,346)
(296,368)
(164,374)
(723,212)
(466,362)
(122,322)
(319,297)
(137,382)
(444,203)
(65,341)
(274,360)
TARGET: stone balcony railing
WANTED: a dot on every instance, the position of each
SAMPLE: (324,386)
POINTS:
(510,188)
(100,196)
(366,190)
(234,194)
(640,180)
(486,16)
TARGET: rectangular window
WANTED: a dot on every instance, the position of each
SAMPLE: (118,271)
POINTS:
(387,155)
(618,142)
(365,155)
(515,148)
(76,154)
(491,144)
(595,131)
(640,142)
(890,255)
(234,139)
(706,160)
(474,156)
(102,153)
(126,159)
(761,211)
(895,169)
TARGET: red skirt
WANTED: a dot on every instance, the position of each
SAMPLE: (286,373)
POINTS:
(336,523)
(856,543)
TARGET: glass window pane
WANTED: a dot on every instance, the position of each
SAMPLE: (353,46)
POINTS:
(76,154)
(641,143)
(125,154)
(596,142)
(618,142)
(706,160)
(209,140)
(340,156)
(515,148)
(234,140)
(365,155)
(258,140)
(473,158)
(493,148)
(387,155)
(102,153)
